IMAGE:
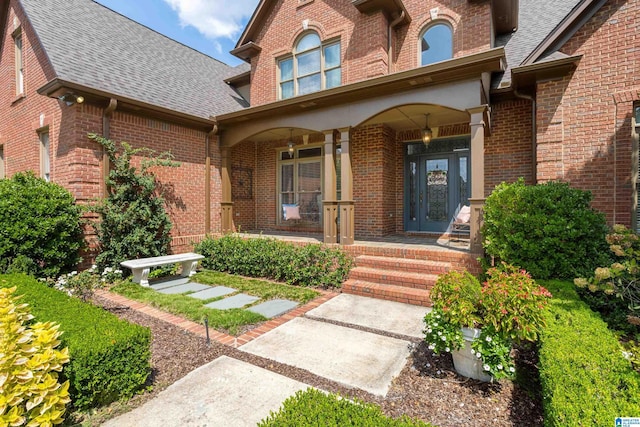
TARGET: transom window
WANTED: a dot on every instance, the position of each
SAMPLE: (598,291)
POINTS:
(313,66)
(300,186)
(436,44)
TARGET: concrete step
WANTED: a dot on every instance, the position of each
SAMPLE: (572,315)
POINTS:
(387,292)
(392,277)
(403,264)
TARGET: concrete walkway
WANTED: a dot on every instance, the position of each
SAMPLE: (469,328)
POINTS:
(355,353)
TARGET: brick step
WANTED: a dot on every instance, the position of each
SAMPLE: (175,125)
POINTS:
(387,292)
(403,264)
(391,277)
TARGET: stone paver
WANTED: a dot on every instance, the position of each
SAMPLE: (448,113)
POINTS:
(224,392)
(187,287)
(390,316)
(274,307)
(351,357)
(163,284)
(216,292)
(236,301)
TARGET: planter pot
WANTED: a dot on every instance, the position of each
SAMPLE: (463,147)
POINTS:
(464,362)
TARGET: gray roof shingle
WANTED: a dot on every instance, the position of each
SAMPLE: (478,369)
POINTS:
(538,18)
(91,45)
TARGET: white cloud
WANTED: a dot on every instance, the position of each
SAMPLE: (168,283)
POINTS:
(214,18)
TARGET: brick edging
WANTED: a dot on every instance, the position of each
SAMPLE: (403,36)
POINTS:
(214,335)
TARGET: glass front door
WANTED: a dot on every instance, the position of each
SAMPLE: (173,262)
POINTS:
(436,185)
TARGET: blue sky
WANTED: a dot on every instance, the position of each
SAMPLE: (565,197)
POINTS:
(210,26)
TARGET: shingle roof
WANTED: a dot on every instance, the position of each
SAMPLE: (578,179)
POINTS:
(538,18)
(91,45)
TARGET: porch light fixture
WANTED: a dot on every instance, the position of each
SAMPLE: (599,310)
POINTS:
(427,134)
(290,144)
(71,98)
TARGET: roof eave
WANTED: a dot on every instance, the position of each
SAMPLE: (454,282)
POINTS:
(528,75)
(259,14)
(391,8)
(446,71)
(505,15)
(246,51)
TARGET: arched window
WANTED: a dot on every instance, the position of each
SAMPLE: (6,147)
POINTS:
(436,44)
(311,67)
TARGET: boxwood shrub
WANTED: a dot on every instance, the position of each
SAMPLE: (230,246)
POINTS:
(110,358)
(309,265)
(548,229)
(314,408)
(585,378)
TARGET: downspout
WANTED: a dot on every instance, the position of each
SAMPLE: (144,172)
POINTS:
(106,133)
(534,134)
(207,179)
(392,26)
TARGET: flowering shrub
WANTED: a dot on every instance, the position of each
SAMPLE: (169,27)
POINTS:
(84,283)
(508,309)
(622,278)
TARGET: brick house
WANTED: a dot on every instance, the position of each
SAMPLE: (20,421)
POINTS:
(355,119)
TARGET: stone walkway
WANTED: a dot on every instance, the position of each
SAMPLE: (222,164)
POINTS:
(356,341)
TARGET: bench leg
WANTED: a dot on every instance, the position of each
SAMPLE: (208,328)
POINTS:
(141,275)
(189,268)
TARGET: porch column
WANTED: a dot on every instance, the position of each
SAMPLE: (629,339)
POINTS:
(226,205)
(330,204)
(477,175)
(347,219)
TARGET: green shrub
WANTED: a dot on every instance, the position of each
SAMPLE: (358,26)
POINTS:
(309,265)
(585,378)
(548,229)
(314,408)
(29,364)
(109,357)
(40,231)
(134,223)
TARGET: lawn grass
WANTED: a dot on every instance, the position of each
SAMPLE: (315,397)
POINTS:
(227,320)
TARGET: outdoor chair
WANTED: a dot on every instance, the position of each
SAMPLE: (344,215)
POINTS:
(461,224)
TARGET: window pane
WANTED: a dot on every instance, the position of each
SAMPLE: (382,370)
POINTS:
(287,89)
(437,44)
(308,63)
(333,78)
(332,56)
(309,176)
(309,84)
(46,165)
(286,178)
(308,42)
(309,152)
(286,70)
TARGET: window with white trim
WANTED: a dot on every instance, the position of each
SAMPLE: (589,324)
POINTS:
(300,185)
(17,42)
(45,155)
(311,67)
(436,44)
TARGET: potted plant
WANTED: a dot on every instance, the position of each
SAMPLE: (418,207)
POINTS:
(479,324)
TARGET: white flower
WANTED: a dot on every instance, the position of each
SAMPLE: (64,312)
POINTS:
(118,272)
(429,330)
(473,352)
(435,324)
(486,367)
(512,369)
(73,273)
(488,339)
(431,347)
(103,280)
(437,316)
(93,267)
(500,367)
(478,355)
(443,338)
(447,349)
(439,333)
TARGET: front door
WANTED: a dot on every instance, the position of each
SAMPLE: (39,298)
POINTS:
(436,184)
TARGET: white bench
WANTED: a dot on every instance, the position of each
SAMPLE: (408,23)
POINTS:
(140,267)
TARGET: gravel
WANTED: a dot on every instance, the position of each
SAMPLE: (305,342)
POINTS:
(427,388)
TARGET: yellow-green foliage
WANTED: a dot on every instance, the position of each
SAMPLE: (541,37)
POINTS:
(29,364)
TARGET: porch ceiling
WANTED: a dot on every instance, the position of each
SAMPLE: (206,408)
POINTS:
(407,117)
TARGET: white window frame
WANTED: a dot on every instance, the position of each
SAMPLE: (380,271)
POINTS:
(296,161)
(323,69)
(45,155)
(19,60)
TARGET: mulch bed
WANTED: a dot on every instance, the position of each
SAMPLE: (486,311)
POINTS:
(427,388)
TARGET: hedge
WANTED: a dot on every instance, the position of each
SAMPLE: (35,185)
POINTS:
(315,408)
(584,377)
(309,265)
(110,358)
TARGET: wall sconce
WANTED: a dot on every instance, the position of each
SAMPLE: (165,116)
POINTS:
(427,134)
(71,98)
(290,144)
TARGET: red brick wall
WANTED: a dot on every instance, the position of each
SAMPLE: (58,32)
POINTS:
(584,120)
(243,157)
(363,38)
(508,152)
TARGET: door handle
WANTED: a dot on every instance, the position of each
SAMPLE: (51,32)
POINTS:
(421,197)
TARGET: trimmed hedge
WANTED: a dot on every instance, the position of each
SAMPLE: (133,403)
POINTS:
(314,408)
(309,265)
(585,379)
(110,358)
